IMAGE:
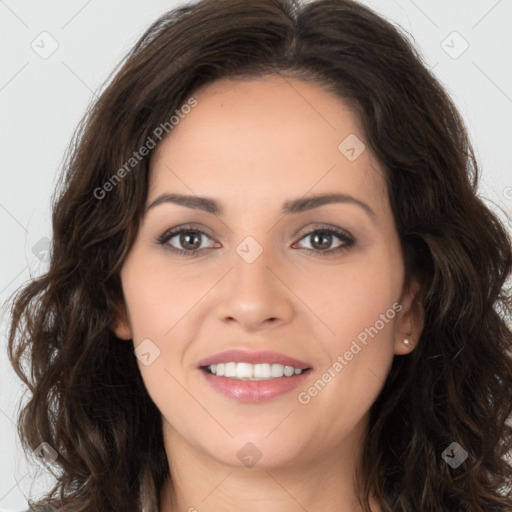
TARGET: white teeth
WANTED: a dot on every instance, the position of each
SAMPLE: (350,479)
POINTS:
(261,371)
(230,370)
(277,370)
(288,371)
(244,371)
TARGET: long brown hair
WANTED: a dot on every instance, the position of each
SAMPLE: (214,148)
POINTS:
(88,400)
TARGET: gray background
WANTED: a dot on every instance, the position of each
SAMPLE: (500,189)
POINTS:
(42,100)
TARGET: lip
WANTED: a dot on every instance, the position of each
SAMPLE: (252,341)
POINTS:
(247,356)
(248,391)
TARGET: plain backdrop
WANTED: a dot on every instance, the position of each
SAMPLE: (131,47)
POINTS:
(55,54)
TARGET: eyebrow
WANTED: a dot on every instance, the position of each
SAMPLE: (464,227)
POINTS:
(289,207)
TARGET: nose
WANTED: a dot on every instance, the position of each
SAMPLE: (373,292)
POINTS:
(255,294)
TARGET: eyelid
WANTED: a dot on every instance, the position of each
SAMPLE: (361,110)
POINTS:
(326,227)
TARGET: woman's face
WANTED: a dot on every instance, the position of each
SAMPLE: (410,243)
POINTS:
(317,281)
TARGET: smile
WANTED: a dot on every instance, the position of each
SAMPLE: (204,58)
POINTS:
(248,371)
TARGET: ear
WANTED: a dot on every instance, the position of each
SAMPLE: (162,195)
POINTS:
(410,320)
(121,324)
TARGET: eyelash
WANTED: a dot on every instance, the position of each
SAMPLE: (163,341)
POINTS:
(348,240)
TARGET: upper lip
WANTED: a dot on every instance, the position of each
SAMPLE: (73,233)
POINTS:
(246,356)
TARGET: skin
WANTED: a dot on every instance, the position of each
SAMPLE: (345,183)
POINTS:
(252,145)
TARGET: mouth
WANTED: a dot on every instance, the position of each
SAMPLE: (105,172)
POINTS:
(253,372)
(253,377)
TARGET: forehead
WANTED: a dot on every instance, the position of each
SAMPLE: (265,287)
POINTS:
(257,137)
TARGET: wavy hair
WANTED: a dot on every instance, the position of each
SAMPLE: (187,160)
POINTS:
(87,397)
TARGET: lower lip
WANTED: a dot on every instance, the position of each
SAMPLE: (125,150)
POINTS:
(254,391)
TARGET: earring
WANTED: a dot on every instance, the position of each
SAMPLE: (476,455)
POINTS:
(406,342)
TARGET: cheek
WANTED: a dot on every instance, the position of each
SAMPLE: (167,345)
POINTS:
(158,301)
(161,301)
(351,297)
(358,303)
(159,296)
(366,302)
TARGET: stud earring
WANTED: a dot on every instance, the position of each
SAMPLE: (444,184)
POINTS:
(407,342)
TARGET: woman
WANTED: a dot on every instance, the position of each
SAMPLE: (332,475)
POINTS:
(272,283)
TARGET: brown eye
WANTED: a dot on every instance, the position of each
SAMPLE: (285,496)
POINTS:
(322,239)
(188,240)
